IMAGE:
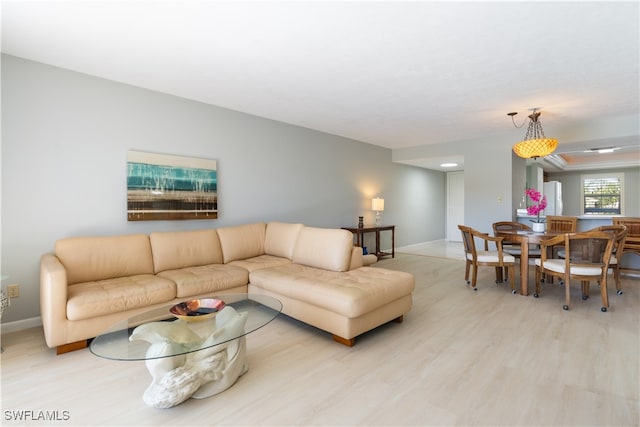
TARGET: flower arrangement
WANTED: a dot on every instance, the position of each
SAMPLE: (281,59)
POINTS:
(539,203)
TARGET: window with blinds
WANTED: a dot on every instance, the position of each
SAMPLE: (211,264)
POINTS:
(602,194)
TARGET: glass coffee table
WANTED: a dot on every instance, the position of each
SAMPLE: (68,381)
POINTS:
(193,349)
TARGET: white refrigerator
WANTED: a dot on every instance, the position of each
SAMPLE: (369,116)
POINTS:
(553,191)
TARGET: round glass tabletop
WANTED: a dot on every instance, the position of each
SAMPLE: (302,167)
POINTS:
(160,327)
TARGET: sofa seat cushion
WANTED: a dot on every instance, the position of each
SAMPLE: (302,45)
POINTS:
(262,261)
(206,278)
(92,299)
(351,293)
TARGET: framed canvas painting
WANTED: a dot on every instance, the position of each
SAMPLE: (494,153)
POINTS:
(167,187)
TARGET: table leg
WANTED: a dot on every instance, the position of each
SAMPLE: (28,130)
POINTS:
(393,243)
(524,267)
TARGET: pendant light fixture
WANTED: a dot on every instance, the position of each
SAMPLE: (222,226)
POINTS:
(534,144)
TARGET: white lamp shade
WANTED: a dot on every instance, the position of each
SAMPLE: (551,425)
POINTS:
(377,204)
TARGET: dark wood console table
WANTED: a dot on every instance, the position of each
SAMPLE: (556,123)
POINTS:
(359,233)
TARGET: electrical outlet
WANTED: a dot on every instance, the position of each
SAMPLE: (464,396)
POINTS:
(13,291)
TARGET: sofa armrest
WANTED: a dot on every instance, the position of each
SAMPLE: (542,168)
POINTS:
(53,298)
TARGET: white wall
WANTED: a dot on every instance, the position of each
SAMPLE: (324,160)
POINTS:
(65,138)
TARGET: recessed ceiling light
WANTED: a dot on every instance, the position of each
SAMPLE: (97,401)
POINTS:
(602,150)
(448,165)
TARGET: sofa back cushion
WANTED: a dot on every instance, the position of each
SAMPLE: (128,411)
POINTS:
(242,241)
(180,249)
(281,239)
(97,258)
(325,248)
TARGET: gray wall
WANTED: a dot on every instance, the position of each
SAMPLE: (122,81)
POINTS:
(65,138)
(519,183)
(488,171)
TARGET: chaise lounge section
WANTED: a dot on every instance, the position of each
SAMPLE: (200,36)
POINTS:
(89,283)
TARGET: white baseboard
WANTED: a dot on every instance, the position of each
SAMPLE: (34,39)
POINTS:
(20,325)
(629,274)
(419,244)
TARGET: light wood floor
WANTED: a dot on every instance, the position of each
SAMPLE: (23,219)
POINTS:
(460,358)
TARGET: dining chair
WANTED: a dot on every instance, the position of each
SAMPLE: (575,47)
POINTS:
(510,248)
(586,258)
(620,235)
(487,258)
(631,242)
(561,224)
(514,248)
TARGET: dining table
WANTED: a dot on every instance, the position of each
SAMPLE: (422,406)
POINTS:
(525,238)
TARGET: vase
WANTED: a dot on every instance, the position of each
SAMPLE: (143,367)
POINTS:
(538,227)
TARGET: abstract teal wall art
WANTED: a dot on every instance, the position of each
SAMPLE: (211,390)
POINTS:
(168,187)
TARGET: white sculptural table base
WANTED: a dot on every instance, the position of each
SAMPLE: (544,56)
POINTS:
(189,359)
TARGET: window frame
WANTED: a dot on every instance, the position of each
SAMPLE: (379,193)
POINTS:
(584,177)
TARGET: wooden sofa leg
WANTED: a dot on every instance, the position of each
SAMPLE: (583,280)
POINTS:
(72,346)
(399,319)
(349,342)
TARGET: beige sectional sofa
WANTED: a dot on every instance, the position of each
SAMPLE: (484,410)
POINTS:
(89,283)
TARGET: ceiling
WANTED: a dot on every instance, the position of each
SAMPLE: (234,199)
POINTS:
(390,73)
